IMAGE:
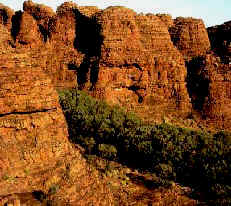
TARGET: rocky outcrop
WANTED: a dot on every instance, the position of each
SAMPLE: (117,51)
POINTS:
(139,66)
(43,16)
(115,54)
(33,131)
(29,34)
(35,153)
(167,19)
(5,38)
(88,11)
(220,40)
(218,102)
(189,35)
(6,14)
(209,83)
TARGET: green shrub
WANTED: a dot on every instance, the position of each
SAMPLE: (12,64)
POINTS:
(194,158)
(107,151)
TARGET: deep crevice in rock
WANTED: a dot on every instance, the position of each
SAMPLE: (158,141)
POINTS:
(16,19)
(26,113)
(88,41)
(197,84)
(4,16)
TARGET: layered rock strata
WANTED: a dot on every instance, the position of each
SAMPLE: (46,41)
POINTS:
(220,40)
(210,89)
(5,38)
(137,61)
(138,65)
(189,35)
(6,14)
(35,153)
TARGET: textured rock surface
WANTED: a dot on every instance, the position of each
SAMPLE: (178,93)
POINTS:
(35,153)
(167,19)
(32,128)
(210,89)
(29,34)
(220,40)
(43,16)
(5,38)
(116,54)
(189,35)
(139,67)
(6,14)
(218,103)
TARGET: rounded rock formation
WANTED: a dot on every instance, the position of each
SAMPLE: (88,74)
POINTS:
(190,36)
(6,14)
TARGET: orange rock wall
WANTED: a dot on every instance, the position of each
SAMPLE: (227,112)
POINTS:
(33,130)
(189,35)
(135,60)
(35,153)
(139,65)
(6,14)
(221,41)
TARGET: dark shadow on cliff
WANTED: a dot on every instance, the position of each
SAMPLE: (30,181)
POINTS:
(88,41)
(44,32)
(4,16)
(197,84)
(16,21)
(220,39)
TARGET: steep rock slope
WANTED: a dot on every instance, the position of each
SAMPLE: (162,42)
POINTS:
(220,40)
(137,61)
(189,35)
(35,153)
(138,65)
(6,14)
(210,88)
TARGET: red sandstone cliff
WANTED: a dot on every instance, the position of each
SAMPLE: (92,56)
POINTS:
(139,66)
(137,61)
(6,14)
(35,153)
(189,35)
(115,54)
(220,40)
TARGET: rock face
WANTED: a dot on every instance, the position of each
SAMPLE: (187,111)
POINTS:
(167,19)
(6,14)
(29,34)
(209,88)
(139,66)
(113,54)
(189,35)
(43,16)
(220,40)
(5,37)
(33,131)
(35,153)
(137,61)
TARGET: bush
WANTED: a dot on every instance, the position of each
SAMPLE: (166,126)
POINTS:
(194,158)
(107,151)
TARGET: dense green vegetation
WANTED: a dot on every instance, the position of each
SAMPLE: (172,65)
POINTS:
(193,158)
